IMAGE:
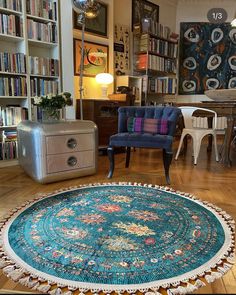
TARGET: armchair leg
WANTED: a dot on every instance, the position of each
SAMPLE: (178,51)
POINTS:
(167,158)
(110,152)
(127,157)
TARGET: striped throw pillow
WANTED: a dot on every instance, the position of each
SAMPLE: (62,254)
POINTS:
(146,125)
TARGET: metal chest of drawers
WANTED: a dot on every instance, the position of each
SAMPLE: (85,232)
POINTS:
(58,151)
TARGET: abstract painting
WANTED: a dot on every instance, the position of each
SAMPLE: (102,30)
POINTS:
(95,58)
(207,57)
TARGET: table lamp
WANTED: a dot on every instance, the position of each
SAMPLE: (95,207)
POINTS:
(104,79)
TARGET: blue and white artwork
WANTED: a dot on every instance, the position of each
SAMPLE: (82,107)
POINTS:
(207,58)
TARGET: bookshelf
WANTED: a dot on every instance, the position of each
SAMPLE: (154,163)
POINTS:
(155,60)
(29,64)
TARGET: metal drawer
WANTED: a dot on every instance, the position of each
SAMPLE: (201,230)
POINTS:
(69,143)
(69,161)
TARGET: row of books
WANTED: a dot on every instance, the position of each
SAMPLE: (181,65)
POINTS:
(41,87)
(12,62)
(164,85)
(8,150)
(41,31)
(42,8)
(13,86)
(11,25)
(155,63)
(158,46)
(43,66)
(11,4)
(12,115)
(150,26)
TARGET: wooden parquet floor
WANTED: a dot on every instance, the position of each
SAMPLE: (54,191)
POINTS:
(208,180)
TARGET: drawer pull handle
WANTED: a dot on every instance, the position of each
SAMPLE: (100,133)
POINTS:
(72,161)
(71,143)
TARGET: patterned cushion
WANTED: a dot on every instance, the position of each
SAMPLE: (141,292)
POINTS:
(155,126)
(146,125)
(134,124)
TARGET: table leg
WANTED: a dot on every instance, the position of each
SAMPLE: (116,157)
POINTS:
(228,139)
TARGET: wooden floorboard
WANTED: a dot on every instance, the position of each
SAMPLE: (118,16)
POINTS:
(208,180)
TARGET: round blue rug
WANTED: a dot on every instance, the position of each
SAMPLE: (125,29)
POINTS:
(117,237)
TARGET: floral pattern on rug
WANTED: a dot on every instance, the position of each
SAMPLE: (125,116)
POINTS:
(116,235)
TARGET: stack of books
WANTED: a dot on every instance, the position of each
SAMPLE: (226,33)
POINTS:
(11,25)
(42,8)
(43,66)
(42,32)
(12,62)
(13,86)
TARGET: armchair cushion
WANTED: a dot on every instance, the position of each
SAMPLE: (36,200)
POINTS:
(147,125)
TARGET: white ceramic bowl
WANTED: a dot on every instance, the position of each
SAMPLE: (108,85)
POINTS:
(221,94)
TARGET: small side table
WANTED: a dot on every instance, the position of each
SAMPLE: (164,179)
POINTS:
(57,151)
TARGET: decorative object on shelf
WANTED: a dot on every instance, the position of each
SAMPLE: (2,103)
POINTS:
(122,48)
(143,9)
(98,25)
(168,228)
(202,66)
(104,79)
(51,105)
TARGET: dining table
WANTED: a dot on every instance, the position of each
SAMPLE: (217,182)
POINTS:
(224,108)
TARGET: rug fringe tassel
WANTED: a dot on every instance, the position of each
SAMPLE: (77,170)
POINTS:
(16,274)
(45,288)
(56,291)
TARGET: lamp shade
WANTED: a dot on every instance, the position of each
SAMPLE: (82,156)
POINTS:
(104,78)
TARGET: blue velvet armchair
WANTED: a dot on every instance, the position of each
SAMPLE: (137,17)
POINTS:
(127,139)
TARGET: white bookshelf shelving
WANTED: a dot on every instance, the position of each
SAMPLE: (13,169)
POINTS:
(30,48)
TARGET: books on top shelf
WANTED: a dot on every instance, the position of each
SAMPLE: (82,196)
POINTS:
(42,8)
(11,4)
(41,31)
(40,87)
(12,62)
(157,46)
(11,25)
(43,66)
(13,86)
(150,26)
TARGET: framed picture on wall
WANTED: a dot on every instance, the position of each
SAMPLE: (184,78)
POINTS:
(95,58)
(144,9)
(97,25)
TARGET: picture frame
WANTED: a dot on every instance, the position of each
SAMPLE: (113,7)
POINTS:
(144,9)
(97,25)
(95,58)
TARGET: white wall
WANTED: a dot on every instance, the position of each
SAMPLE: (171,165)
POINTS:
(196,11)
(67,53)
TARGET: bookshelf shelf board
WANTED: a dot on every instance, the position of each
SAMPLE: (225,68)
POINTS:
(162,38)
(42,43)
(17,97)
(44,76)
(150,72)
(156,54)
(7,163)
(8,127)
(41,19)
(9,11)
(12,74)
(10,38)
(160,94)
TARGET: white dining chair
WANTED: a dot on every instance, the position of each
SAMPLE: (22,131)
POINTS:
(196,133)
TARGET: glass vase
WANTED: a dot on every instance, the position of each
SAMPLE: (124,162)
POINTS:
(51,115)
